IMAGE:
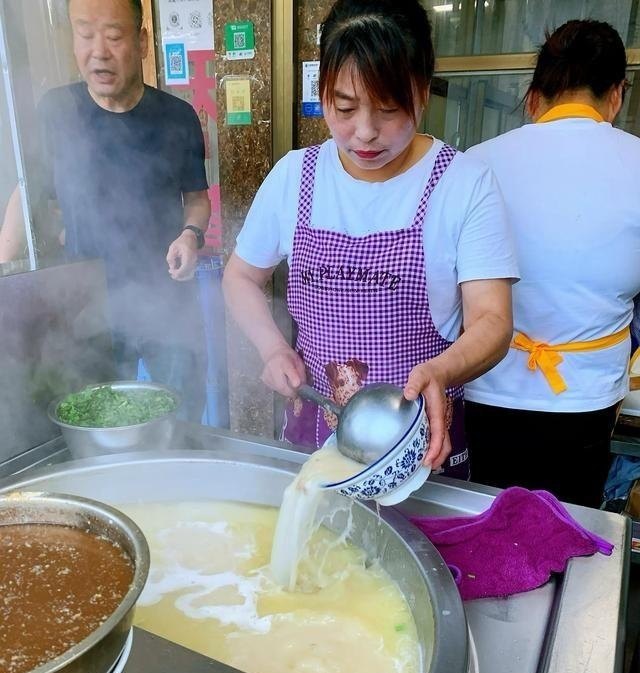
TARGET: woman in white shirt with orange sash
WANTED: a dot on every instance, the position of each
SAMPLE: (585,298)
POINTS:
(543,417)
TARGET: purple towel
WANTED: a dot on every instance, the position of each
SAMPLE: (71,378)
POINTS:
(512,547)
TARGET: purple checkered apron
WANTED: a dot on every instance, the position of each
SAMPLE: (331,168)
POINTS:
(362,311)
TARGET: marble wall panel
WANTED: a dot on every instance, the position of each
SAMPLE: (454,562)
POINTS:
(310,130)
(244,155)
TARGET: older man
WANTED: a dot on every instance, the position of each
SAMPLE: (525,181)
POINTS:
(126,164)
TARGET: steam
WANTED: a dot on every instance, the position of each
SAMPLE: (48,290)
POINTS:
(54,340)
(57,325)
(255,409)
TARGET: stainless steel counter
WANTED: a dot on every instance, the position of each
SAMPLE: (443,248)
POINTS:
(575,623)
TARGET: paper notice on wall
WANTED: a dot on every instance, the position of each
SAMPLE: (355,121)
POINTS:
(188,20)
(310,89)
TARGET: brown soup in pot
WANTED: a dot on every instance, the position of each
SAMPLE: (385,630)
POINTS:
(57,585)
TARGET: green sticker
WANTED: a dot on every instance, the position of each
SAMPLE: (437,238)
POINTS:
(238,118)
(239,41)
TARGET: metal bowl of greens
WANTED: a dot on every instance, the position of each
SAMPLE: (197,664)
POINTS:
(116,417)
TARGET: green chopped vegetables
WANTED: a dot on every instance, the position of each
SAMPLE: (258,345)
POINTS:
(105,407)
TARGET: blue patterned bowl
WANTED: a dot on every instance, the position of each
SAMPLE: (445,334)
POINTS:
(396,474)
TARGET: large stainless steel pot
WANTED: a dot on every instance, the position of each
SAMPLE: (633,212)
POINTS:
(401,549)
(100,650)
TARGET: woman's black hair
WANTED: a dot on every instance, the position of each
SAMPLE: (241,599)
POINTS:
(581,54)
(387,43)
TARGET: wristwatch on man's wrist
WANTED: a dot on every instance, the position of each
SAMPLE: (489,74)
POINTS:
(198,232)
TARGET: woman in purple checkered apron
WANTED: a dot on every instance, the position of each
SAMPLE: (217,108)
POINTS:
(354,217)
(354,330)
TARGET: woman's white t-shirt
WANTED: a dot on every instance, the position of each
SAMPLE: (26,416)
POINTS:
(466,236)
(572,193)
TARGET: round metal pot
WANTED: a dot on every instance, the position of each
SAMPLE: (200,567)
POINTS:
(188,475)
(155,434)
(99,651)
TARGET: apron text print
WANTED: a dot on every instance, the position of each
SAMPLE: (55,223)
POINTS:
(358,274)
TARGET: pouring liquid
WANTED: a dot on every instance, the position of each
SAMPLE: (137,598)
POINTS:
(296,521)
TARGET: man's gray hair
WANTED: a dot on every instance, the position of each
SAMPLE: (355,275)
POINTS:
(136,8)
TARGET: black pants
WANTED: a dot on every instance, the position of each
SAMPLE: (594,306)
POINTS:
(564,453)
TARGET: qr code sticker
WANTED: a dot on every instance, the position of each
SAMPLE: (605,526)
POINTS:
(239,40)
(195,20)
(176,64)
(315,88)
(237,103)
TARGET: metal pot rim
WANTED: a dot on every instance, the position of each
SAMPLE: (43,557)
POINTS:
(140,562)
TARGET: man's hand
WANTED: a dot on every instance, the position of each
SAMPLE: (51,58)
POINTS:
(284,371)
(182,256)
(424,379)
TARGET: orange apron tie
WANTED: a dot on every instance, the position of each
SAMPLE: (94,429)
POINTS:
(567,110)
(545,357)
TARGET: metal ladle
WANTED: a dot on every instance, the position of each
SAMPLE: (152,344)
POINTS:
(372,422)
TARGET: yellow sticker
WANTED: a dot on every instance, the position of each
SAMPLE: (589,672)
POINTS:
(238,97)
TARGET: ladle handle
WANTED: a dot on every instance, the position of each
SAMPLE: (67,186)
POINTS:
(311,394)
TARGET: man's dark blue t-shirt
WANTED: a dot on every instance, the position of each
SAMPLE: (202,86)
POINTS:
(119,180)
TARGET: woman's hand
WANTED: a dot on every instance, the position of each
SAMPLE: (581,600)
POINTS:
(284,371)
(243,287)
(424,378)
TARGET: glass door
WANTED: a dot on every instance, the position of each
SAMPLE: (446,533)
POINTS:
(485,57)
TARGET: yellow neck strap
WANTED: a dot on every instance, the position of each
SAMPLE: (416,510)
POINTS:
(567,110)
